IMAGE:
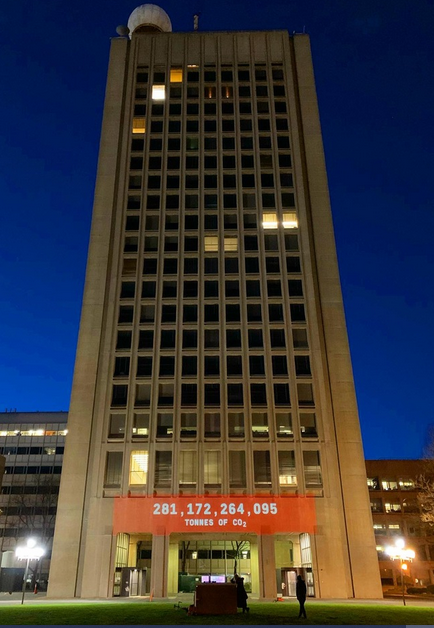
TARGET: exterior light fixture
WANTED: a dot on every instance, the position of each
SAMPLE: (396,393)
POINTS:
(28,552)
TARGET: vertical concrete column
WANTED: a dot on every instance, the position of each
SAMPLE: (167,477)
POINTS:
(267,562)
(173,568)
(159,566)
(254,567)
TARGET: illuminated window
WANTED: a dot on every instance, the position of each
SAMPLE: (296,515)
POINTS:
(287,473)
(138,467)
(269,221)
(392,505)
(259,424)
(284,425)
(379,528)
(231,244)
(406,485)
(140,425)
(176,75)
(188,424)
(312,469)
(212,469)
(290,220)
(138,125)
(212,243)
(373,484)
(187,469)
(389,485)
(158,92)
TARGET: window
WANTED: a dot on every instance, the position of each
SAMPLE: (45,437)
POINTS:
(290,220)
(122,367)
(235,394)
(140,425)
(233,313)
(189,394)
(190,266)
(113,469)
(256,365)
(280,365)
(302,365)
(259,425)
(373,484)
(274,288)
(232,289)
(284,425)
(211,243)
(287,472)
(167,366)
(254,313)
(211,289)
(117,426)
(211,265)
(236,425)
(119,395)
(233,338)
(188,425)
(297,312)
(138,467)
(312,469)
(281,395)
(376,504)
(275,312)
(189,366)
(295,287)
(392,505)
(158,92)
(164,425)
(165,394)
(212,339)
(258,394)
(212,313)
(187,469)
(212,425)
(262,469)
(300,338)
(305,395)
(251,265)
(230,244)
(143,396)
(146,339)
(139,125)
(277,338)
(308,425)
(176,75)
(144,366)
(212,469)
(272,264)
(389,485)
(168,337)
(234,365)
(212,394)
(237,469)
(231,265)
(163,469)
(189,314)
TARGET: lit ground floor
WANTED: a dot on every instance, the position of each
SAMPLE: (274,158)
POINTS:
(164,566)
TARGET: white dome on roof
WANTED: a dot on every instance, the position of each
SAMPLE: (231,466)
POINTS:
(149,17)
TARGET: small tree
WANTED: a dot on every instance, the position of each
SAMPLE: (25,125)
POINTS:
(237,550)
(425,484)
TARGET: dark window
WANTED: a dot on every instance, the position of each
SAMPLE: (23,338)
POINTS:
(168,337)
(168,314)
(231,265)
(250,243)
(228,126)
(263,124)
(189,339)
(246,125)
(211,289)
(189,314)
(233,338)
(251,265)
(172,182)
(190,244)
(258,394)
(234,365)
(271,243)
(210,201)
(248,180)
(175,108)
(228,143)
(274,288)
(191,162)
(279,107)
(232,313)
(122,367)
(293,264)
(189,366)
(232,289)
(280,365)
(230,181)
(144,366)
(253,289)
(156,144)
(254,313)
(210,162)
(212,338)
(273,264)
(211,222)
(212,365)
(148,289)
(124,340)
(282,124)
(172,201)
(146,339)
(275,312)
(281,395)
(190,266)
(170,266)
(297,312)
(302,365)
(188,394)
(167,369)
(210,126)
(174,126)
(229,201)
(256,340)
(211,313)
(190,289)
(119,395)
(256,365)
(128,290)
(210,181)
(169,289)
(295,288)
(126,313)
(277,338)
(211,265)
(173,143)
(235,395)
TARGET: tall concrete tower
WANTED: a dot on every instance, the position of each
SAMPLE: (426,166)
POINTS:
(213,424)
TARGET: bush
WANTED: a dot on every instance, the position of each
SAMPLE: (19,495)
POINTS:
(416,590)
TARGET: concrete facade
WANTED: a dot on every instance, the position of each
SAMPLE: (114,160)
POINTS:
(212,215)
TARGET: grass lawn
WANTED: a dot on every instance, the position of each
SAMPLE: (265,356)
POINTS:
(165,613)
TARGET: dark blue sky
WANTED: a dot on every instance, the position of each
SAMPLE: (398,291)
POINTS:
(373,65)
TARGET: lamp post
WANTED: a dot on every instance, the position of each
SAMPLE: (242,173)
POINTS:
(404,555)
(28,552)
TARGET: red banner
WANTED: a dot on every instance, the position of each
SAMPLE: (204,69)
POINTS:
(223,513)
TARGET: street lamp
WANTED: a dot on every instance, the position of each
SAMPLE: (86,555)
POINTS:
(404,555)
(28,552)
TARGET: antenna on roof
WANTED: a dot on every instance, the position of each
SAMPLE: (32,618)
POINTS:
(196,21)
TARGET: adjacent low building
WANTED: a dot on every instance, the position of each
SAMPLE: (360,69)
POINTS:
(32,445)
(396,513)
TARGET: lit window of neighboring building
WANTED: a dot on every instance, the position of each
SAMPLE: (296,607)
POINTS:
(211,243)
(176,75)
(290,220)
(158,92)
(269,221)
(212,468)
(138,467)
(138,125)
(287,473)
(187,469)
(406,485)
(231,244)
(389,485)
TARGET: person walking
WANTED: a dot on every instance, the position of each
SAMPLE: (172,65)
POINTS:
(300,591)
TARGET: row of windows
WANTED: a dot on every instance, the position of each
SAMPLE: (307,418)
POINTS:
(212,425)
(211,162)
(31,470)
(210,181)
(401,484)
(227,125)
(234,366)
(213,244)
(210,144)
(41,489)
(212,469)
(211,92)
(22,451)
(394,505)
(270,220)
(191,201)
(177,74)
(25,511)
(212,394)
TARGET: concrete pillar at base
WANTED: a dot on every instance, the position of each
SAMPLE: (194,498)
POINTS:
(159,566)
(173,568)
(254,568)
(267,561)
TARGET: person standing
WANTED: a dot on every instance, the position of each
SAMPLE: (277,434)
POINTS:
(241,593)
(300,591)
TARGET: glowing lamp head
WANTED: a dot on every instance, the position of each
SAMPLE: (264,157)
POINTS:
(400,543)
(31,543)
